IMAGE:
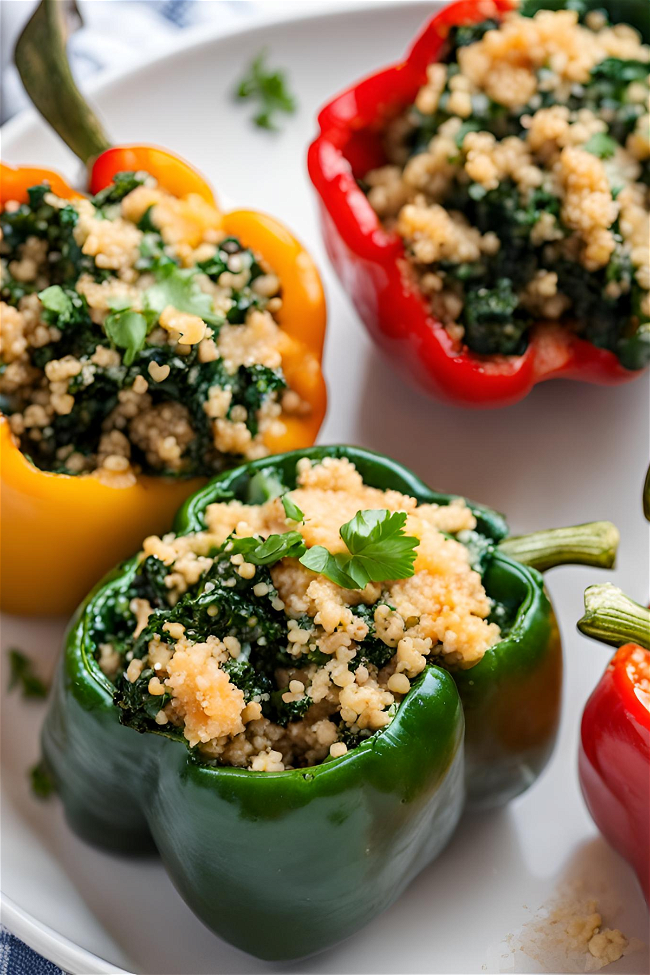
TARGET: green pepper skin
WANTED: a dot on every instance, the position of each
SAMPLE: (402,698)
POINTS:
(330,846)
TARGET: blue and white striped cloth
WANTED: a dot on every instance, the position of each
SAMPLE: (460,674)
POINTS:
(115,39)
(17,959)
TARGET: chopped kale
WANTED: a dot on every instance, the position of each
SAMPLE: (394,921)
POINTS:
(253,386)
(491,324)
(150,581)
(493,317)
(138,708)
(242,302)
(251,680)
(223,605)
(353,738)
(601,315)
(284,712)
(222,260)
(471,33)
(372,650)
(96,388)
(38,219)
(123,183)
(634,351)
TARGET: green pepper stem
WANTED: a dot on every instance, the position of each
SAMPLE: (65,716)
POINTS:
(594,543)
(612,617)
(42,63)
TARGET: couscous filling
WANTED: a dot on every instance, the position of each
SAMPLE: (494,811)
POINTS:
(519,182)
(136,336)
(261,661)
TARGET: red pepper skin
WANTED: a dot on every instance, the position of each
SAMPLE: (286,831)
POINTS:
(372,265)
(614,763)
(175,174)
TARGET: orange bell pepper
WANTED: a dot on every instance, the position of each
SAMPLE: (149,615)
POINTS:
(59,533)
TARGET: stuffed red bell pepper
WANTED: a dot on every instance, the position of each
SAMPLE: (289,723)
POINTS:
(614,760)
(485,201)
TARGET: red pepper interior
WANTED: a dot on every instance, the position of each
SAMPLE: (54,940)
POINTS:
(637,669)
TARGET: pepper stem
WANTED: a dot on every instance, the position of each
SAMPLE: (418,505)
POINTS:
(612,617)
(42,63)
(594,543)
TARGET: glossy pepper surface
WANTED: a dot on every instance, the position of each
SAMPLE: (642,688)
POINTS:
(60,533)
(332,845)
(371,261)
(614,757)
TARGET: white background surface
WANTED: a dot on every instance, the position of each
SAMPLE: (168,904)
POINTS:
(567,454)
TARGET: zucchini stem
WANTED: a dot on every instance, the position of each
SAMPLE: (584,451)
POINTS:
(594,543)
(612,617)
(42,63)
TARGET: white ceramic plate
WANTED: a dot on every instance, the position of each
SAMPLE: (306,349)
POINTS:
(569,453)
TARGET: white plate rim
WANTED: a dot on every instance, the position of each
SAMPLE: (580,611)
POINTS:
(203,36)
(48,942)
(52,944)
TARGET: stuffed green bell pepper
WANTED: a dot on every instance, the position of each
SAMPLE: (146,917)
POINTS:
(326,661)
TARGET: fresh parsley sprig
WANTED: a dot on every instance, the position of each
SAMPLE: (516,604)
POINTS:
(268,552)
(378,551)
(269,88)
(377,548)
(21,675)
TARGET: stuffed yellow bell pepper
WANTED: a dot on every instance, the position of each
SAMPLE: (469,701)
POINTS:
(149,340)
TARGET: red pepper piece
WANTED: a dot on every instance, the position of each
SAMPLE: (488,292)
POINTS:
(371,262)
(614,757)
(176,175)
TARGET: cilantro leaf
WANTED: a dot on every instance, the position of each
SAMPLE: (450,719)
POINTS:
(55,299)
(600,144)
(178,287)
(379,551)
(269,88)
(291,509)
(63,306)
(21,674)
(127,330)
